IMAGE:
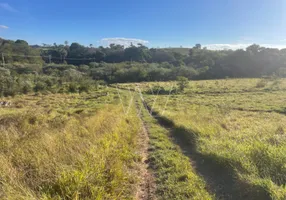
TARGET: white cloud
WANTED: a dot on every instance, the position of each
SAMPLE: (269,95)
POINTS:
(122,41)
(240,46)
(6,6)
(226,46)
(3,27)
(277,46)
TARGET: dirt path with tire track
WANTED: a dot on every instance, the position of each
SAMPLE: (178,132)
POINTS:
(147,186)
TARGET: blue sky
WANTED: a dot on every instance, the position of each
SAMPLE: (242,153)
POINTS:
(156,23)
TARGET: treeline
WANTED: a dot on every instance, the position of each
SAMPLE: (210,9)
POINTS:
(140,63)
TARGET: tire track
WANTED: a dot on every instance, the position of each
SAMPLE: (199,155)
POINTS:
(147,187)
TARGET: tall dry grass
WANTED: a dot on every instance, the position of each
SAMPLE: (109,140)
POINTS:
(68,156)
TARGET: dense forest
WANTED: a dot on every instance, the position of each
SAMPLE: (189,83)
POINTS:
(28,68)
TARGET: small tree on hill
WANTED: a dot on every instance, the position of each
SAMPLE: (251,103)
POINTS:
(182,83)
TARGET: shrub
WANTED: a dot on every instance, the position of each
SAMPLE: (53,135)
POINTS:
(83,88)
(182,83)
(49,82)
(93,65)
(40,86)
(72,75)
(62,90)
(159,90)
(72,88)
(261,83)
(27,88)
(10,92)
(83,68)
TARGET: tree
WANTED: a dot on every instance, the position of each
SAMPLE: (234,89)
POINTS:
(160,55)
(198,46)
(182,83)
(63,52)
(253,49)
(23,42)
(99,56)
(137,54)
(78,54)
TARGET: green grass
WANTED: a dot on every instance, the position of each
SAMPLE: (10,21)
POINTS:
(233,129)
(175,177)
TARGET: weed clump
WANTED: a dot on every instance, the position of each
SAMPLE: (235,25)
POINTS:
(261,83)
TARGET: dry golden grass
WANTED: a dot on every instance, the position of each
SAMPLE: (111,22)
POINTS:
(68,147)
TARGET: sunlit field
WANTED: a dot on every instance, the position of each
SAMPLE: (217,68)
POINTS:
(218,139)
(149,100)
(236,125)
(69,146)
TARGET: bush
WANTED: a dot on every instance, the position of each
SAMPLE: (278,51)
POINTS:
(40,86)
(27,88)
(72,88)
(10,92)
(182,83)
(62,90)
(83,68)
(23,68)
(261,83)
(72,75)
(93,65)
(84,88)
(159,90)
(49,82)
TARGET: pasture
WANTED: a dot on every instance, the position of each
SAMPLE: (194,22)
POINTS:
(217,139)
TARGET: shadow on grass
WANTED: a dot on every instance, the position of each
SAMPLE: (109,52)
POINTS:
(220,177)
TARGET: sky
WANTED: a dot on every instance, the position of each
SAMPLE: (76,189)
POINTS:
(216,24)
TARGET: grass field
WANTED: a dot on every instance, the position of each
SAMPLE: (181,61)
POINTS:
(219,139)
(234,125)
(68,147)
